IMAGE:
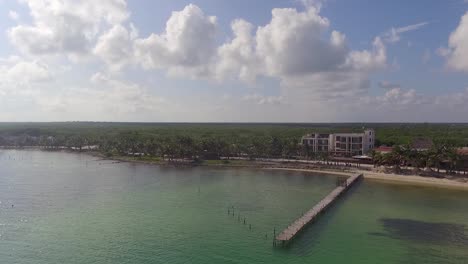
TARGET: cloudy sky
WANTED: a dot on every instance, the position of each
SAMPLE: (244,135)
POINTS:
(234,61)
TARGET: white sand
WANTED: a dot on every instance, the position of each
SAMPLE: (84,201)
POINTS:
(393,178)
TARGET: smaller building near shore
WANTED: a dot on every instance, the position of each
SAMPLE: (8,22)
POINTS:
(463,153)
(383,149)
(421,144)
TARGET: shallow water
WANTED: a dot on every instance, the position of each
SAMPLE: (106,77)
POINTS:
(71,208)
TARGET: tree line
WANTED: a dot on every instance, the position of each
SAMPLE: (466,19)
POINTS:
(441,155)
(213,141)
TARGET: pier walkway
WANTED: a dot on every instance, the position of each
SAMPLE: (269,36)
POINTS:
(293,229)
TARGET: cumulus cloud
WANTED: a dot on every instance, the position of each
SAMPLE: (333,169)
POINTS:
(457,51)
(29,71)
(65,26)
(298,48)
(292,43)
(312,62)
(237,58)
(294,48)
(366,60)
(115,46)
(187,45)
(398,96)
(18,75)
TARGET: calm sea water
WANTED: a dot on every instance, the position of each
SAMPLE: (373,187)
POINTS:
(71,208)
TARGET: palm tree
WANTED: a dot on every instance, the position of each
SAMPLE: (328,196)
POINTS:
(377,158)
(453,159)
(290,149)
(396,158)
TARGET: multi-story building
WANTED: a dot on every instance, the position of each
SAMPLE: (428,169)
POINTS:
(341,144)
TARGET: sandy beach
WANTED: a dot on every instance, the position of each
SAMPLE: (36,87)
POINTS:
(393,178)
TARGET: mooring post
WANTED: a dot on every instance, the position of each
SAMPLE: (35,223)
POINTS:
(274,236)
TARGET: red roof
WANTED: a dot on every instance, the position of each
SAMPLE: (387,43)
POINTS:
(384,149)
(463,151)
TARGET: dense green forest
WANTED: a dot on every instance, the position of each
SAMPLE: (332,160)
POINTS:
(211,139)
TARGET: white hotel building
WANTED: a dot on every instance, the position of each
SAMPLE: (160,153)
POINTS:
(341,144)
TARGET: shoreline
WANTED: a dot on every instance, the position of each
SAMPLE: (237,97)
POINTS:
(370,175)
(392,178)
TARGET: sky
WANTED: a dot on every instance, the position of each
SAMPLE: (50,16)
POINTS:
(234,61)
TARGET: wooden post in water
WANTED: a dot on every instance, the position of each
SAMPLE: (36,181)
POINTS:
(274,236)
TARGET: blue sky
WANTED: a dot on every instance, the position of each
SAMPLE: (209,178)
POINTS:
(234,61)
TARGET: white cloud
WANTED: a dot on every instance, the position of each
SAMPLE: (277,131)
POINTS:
(457,51)
(13,15)
(311,61)
(262,99)
(294,48)
(237,58)
(394,34)
(398,96)
(457,100)
(65,26)
(292,44)
(115,47)
(105,99)
(186,47)
(366,60)
(19,76)
(32,71)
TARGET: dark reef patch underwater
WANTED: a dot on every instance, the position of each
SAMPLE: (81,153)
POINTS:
(424,232)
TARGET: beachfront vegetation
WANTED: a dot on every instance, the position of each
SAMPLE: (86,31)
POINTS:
(440,155)
(169,141)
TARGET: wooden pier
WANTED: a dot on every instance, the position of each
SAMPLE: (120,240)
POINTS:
(293,229)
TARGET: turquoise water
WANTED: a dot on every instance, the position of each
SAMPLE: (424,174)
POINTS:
(71,208)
